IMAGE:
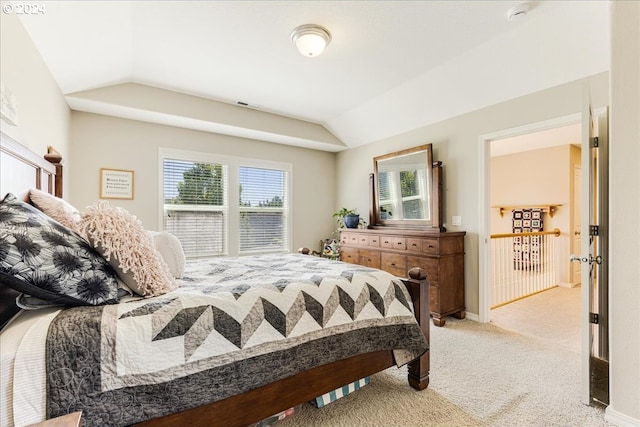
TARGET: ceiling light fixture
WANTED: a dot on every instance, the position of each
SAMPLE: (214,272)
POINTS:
(310,39)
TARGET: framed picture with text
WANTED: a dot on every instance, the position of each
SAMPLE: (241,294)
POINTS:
(116,184)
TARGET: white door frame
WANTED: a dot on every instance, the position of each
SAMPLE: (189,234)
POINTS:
(484,285)
(576,239)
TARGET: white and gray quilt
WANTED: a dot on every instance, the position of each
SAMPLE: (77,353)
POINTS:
(234,324)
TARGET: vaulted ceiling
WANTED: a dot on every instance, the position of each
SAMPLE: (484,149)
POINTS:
(392,66)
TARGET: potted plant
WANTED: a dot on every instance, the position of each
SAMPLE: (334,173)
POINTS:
(348,218)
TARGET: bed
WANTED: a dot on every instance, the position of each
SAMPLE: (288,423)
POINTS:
(316,325)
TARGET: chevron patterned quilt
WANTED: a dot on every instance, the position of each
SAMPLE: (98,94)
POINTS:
(233,325)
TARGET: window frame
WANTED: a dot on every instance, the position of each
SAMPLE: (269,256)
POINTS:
(232,208)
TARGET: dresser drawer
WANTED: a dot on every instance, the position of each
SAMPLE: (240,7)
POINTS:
(430,265)
(400,243)
(395,264)
(363,239)
(353,239)
(430,246)
(369,258)
(345,238)
(349,255)
(374,241)
(414,245)
(386,242)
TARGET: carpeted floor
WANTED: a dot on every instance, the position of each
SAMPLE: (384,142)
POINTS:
(481,375)
(552,315)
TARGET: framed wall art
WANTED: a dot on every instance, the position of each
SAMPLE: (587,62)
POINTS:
(116,184)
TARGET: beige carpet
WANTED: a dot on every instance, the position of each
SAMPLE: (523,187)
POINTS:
(552,315)
(481,375)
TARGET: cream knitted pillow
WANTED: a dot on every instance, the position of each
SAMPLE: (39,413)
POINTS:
(55,207)
(128,247)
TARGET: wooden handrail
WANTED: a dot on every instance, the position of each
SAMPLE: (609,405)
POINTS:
(555,232)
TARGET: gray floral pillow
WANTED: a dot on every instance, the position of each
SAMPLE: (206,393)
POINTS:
(42,258)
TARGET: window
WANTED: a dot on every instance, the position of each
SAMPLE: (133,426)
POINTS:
(210,219)
(263,213)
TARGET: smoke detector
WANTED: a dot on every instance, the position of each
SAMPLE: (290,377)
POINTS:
(518,12)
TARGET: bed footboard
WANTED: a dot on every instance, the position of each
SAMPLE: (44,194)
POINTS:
(418,287)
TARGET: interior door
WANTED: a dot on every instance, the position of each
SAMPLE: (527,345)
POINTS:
(593,257)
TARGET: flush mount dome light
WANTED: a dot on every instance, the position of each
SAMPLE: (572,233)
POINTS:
(310,39)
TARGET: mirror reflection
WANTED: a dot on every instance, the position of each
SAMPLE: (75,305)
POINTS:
(403,187)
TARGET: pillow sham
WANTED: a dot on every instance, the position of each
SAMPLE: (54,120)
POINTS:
(28,302)
(42,258)
(128,247)
(171,250)
(55,207)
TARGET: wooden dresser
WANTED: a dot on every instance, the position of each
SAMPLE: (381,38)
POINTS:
(441,254)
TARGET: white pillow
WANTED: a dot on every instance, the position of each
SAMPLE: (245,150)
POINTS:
(55,207)
(128,247)
(171,250)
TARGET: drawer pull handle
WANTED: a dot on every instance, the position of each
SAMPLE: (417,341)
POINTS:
(399,243)
(393,264)
(431,246)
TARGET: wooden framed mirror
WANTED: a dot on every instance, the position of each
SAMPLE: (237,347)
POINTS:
(406,190)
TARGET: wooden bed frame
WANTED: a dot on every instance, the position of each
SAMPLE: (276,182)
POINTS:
(23,169)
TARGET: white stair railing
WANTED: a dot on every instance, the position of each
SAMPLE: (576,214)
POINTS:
(522,264)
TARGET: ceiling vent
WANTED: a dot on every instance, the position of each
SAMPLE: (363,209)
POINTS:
(246,104)
(518,12)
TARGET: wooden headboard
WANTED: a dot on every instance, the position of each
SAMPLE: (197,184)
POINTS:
(21,169)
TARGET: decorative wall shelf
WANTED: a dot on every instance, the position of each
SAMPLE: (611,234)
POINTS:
(550,209)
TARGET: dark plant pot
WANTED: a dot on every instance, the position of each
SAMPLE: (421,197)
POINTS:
(351,221)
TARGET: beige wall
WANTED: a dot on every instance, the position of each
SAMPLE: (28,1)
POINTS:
(100,141)
(43,114)
(456,143)
(624,196)
(536,177)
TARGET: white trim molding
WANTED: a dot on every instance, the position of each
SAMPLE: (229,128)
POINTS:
(620,419)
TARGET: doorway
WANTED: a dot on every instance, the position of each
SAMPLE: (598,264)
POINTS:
(593,256)
(536,173)
(485,200)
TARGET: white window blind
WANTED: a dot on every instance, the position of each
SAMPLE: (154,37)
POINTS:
(194,205)
(221,205)
(263,209)
(388,196)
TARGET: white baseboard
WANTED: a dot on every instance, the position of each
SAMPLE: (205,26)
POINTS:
(568,284)
(472,316)
(620,419)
